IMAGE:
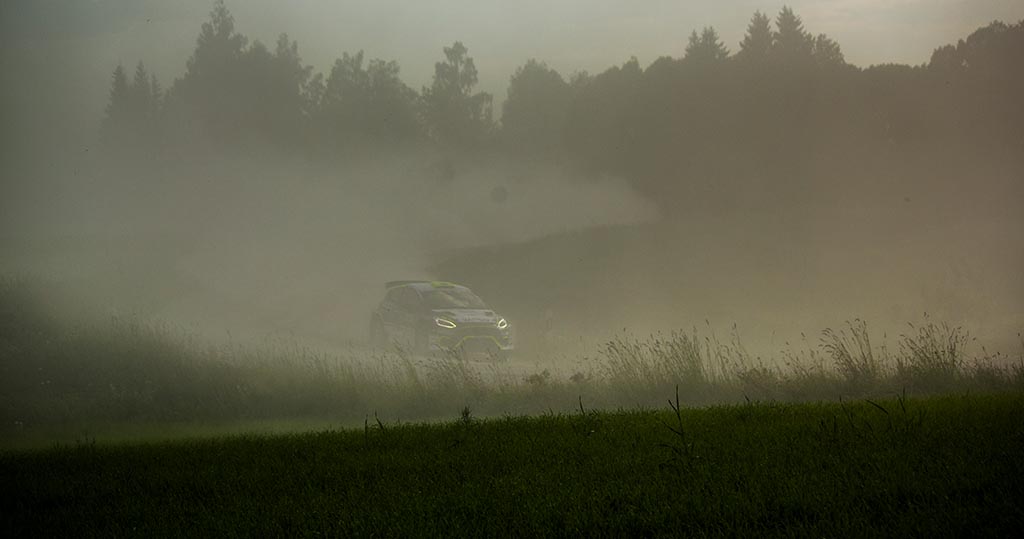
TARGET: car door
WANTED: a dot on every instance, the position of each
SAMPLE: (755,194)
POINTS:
(390,313)
(405,316)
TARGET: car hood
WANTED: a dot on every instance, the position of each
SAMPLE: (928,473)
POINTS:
(467,316)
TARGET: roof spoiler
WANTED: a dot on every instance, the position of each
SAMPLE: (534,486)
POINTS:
(436,284)
(391,284)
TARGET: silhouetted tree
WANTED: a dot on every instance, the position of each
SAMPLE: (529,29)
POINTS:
(290,75)
(533,117)
(682,131)
(791,44)
(757,43)
(156,95)
(705,48)
(371,101)
(347,92)
(993,48)
(602,130)
(945,58)
(826,52)
(976,85)
(211,90)
(118,104)
(232,92)
(279,85)
(454,114)
(314,95)
(141,96)
(133,111)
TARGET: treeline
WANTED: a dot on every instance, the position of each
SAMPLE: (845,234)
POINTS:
(784,101)
(236,91)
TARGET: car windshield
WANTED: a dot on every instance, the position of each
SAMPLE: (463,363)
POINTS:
(453,298)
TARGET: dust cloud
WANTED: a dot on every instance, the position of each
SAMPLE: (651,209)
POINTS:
(925,253)
(254,247)
(781,191)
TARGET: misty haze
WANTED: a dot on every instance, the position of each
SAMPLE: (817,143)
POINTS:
(207,211)
(752,195)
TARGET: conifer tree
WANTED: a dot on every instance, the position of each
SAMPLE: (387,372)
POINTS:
(117,110)
(792,44)
(757,43)
(706,48)
(141,98)
(156,96)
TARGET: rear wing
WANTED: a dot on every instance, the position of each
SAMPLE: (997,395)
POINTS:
(436,284)
(391,284)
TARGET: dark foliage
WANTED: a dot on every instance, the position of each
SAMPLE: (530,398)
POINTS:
(901,467)
(703,129)
(454,114)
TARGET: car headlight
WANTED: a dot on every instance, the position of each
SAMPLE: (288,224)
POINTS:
(502,323)
(444,323)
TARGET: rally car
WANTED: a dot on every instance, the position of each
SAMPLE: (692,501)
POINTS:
(429,317)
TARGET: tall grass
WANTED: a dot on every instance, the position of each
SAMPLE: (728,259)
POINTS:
(656,362)
(66,375)
(932,356)
(852,354)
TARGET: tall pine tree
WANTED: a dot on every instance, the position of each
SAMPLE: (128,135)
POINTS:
(792,44)
(706,48)
(757,43)
(133,109)
(118,105)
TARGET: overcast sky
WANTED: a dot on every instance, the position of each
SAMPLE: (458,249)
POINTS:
(83,40)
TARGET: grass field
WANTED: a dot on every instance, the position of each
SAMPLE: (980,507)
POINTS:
(121,427)
(71,381)
(941,466)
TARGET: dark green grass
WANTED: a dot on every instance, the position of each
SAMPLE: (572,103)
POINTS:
(942,466)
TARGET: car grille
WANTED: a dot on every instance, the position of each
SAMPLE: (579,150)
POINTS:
(473,335)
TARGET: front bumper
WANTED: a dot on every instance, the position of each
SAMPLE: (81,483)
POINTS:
(471,338)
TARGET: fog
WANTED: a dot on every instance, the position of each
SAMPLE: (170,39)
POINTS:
(696,185)
(259,246)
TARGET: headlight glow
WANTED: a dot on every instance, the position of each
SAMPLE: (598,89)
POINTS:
(502,323)
(447,324)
